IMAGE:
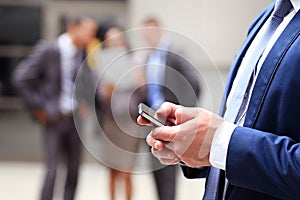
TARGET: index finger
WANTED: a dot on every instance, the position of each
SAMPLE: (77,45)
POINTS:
(165,133)
(168,110)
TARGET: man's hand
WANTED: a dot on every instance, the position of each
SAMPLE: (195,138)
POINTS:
(42,116)
(189,140)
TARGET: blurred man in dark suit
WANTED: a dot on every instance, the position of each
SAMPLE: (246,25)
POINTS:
(169,77)
(46,79)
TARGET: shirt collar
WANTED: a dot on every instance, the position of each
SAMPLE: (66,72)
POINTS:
(296,4)
(164,42)
(66,45)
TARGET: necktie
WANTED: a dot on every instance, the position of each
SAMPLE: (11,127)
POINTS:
(155,76)
(212,183)
(240,95)
(78,61)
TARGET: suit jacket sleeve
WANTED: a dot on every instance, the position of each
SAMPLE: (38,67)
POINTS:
(186,69)
(181,81)
(264,162)
(28,74)
(192,173)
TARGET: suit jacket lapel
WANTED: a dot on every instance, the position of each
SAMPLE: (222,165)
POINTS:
(269,68)
(57,63)
(257,24)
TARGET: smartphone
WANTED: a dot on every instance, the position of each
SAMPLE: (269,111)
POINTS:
(149,114)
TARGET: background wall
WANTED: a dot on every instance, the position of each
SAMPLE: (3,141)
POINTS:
(219,26)
(55,11)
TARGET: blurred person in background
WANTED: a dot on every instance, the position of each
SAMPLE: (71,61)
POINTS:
(45,80)
(169,77)
(120,139)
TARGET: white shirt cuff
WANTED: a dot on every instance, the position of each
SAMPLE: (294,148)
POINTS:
(220,143)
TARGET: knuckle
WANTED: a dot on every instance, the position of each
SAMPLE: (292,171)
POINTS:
(150,140)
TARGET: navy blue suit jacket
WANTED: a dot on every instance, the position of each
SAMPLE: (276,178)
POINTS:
(263,160)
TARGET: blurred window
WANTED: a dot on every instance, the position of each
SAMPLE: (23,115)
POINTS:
(20,29)
(7,65)
(20,25)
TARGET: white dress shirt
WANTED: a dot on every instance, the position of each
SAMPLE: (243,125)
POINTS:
(220,143)
(155,70)
(67,58)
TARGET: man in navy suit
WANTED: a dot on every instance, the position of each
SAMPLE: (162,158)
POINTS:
(258,155)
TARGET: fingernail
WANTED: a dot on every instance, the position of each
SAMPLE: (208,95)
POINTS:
(156,146)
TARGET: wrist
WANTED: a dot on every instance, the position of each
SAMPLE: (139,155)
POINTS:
(220,143)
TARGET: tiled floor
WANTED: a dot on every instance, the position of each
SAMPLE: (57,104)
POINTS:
(22,181)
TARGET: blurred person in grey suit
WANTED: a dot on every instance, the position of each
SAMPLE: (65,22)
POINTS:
(45,80)
(169,77)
